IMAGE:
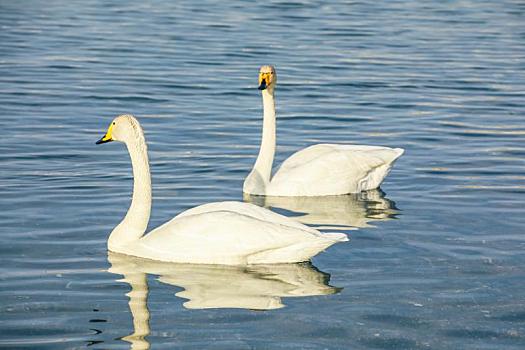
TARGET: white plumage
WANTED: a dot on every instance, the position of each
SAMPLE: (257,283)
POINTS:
(318,170)
(216,233)
(332,169)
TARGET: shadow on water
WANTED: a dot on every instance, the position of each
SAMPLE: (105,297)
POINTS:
(255,287)
(344,212)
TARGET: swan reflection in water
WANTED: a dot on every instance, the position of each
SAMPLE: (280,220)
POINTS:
(343,212)
(255,287)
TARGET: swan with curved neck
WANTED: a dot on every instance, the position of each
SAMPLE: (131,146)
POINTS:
(318,170)
(233,233)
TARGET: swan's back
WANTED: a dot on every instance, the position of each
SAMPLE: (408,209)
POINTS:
(233,233)
(332,169)
(247,209)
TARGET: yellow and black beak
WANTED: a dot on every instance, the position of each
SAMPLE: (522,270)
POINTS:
(107,137)
(264,80)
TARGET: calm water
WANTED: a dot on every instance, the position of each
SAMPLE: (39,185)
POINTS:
(435,261)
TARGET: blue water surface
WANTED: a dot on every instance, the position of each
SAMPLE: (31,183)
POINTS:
(436,258)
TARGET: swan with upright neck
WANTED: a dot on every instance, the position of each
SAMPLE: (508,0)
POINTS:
(233,233)
(318,170)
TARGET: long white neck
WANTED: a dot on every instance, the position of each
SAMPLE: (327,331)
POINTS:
(134,224)
(263,165)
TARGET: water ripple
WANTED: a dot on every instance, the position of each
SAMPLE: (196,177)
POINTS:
(439,252)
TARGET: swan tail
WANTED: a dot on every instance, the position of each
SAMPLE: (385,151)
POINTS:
(376,175)
(399,153)
(299,252)
(336,236)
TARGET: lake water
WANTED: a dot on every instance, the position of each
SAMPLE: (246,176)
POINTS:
(436,260)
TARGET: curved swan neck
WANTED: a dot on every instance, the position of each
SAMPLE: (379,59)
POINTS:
(263,165)
(134,224)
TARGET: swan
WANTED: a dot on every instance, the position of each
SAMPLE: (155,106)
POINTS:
(318,170)
(232,233)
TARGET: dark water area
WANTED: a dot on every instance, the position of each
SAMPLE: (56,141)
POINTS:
(435,259)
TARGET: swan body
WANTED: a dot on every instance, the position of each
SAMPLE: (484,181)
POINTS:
(318,170)
(232,233)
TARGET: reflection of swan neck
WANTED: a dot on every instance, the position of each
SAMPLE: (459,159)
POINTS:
(138,298)
(136,221)
(263,165)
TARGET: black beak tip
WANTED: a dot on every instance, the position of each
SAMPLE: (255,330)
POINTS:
(101,141)
(262,86)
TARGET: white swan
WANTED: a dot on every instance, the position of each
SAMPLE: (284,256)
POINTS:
(233,233)
(318,170)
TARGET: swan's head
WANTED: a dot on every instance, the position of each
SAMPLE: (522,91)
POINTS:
(123,128)
(267,77)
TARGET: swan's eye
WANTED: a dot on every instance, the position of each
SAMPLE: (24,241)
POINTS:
(113,123)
